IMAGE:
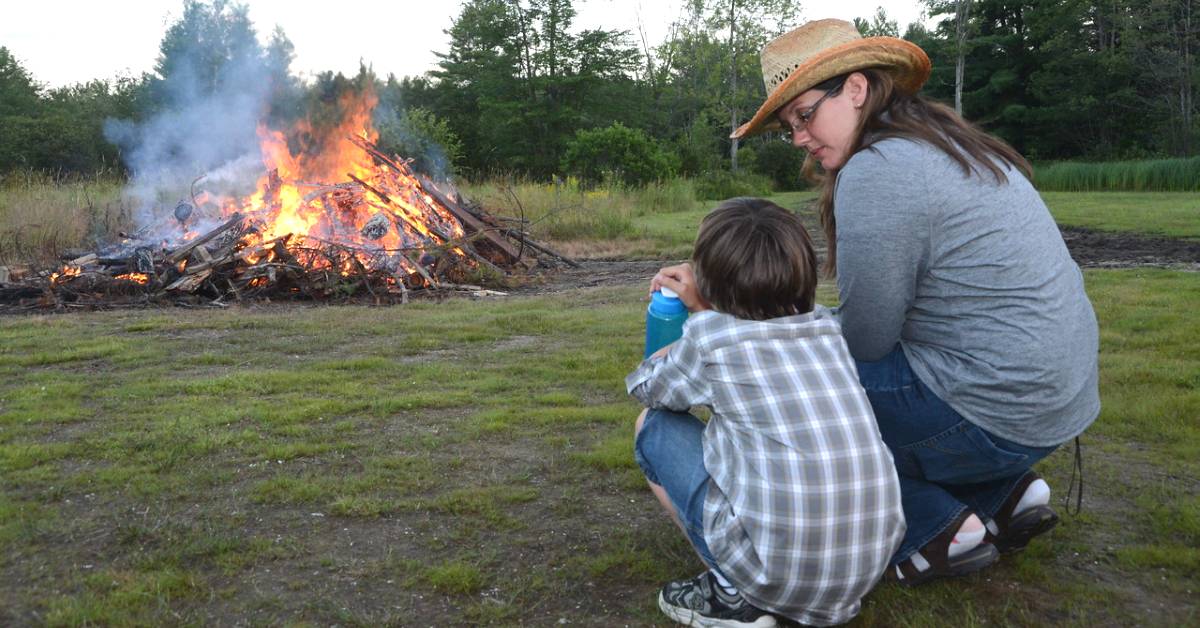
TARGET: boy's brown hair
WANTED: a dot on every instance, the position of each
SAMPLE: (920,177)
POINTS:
(753,259)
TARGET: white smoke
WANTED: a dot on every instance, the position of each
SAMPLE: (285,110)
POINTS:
(204,130)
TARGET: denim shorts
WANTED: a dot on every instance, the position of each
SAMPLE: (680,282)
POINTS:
(670,451)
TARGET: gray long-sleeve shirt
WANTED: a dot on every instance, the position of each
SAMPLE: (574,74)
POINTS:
(973,280)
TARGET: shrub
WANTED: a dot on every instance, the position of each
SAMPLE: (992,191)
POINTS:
(697,148)
(617,153)
(781,162)
(422,136)
(723,184)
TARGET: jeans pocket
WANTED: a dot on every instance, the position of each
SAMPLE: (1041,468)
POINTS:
(963,454)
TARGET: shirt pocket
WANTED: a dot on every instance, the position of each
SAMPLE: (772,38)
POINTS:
(962,454)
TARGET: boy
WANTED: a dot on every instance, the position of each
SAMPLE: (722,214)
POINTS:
(788,494)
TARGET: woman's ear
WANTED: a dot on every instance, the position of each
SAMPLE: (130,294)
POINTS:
(856,87)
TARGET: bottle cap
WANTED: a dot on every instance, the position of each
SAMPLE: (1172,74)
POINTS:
(666,303)
(669,293)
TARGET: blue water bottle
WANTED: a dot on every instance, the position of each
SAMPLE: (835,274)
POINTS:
(664,320)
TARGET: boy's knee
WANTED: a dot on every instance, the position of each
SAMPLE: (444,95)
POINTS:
(641,420)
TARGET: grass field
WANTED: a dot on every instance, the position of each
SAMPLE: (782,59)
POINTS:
(41,218)
(1172,214)
(470,461)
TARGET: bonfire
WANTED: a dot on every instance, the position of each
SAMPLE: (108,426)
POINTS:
(347,222)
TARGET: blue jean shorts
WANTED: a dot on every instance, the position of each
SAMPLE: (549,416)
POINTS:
(670,451)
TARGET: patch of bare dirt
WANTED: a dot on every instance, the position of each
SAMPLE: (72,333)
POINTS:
(594,273)
(1089,248)
(1109,249)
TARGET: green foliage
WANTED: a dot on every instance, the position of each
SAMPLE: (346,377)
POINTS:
(779,161)
(59,131)
(722,184)
(880,25)
(616,153)
(207,47)
(1151,175)
(1074,79)
(418,134)
(518,79)
(517,82)
(18,92)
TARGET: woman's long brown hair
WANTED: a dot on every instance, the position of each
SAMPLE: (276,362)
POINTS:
(888,113)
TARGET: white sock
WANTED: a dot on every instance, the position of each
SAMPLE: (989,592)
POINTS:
(729,588)
(968,537)
(1036,494)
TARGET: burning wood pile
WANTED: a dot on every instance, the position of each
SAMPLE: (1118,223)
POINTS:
(383,234)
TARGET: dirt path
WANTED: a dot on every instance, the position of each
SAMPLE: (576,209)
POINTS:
(1104,249)
(1089,248)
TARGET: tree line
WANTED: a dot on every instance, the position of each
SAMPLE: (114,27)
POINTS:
(521,89)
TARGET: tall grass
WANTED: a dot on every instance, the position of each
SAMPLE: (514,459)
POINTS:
(565,210)
(41,216)
(1152,175)
(722,184)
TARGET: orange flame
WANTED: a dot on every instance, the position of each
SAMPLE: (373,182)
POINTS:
(67,273)
(307,193)
(141,278)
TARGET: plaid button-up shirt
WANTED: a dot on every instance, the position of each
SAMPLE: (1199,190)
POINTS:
(803,510)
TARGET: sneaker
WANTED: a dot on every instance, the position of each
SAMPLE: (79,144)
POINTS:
(934,560)
(702,602)
(1011,532)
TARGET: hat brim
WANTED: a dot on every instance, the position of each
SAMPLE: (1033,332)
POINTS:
(905,61)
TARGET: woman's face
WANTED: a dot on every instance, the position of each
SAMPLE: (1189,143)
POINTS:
(823,123)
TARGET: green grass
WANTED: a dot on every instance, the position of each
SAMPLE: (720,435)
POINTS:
(1150,365)
(360,465)
(1148,175)
(1173,214)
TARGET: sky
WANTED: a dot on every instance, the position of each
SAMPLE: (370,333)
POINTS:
(63,42)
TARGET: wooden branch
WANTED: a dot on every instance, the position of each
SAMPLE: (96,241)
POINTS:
(189,283)
(469,221)
(375,152)
(185,250)
(545,249)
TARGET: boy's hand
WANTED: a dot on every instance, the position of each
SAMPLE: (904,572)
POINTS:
(681,279)
(661,353)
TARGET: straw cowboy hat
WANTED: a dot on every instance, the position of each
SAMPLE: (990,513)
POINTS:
(798,60)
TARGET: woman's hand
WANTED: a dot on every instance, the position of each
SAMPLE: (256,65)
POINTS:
(682,281)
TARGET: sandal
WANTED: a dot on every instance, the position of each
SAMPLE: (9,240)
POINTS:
(934,560)
(1011,533)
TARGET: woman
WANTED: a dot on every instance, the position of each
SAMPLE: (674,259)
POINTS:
(966,316)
